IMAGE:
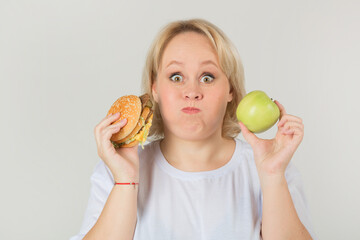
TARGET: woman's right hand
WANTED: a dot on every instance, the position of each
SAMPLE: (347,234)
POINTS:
(122,162)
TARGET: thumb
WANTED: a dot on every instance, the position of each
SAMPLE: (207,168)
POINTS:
(250,137)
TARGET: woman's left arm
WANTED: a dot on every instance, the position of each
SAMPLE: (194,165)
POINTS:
(279,217)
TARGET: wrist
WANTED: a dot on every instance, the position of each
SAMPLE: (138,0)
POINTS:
(126,177)
(271,181)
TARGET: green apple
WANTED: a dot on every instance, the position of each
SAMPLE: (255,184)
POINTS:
(257,111)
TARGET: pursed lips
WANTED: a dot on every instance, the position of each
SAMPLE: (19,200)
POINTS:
(190,110)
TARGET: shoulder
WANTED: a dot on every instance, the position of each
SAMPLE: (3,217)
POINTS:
(245,147)
(244,152)
(244,160)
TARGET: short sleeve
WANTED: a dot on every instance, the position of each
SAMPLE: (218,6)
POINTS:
(101,185)
(297,193)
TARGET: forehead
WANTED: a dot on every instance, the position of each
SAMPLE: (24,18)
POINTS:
(189,47)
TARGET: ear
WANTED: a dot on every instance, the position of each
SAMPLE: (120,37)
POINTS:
(154,92)
(230,96)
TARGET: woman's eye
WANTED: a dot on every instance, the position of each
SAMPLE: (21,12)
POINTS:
(207,78)
(176,77)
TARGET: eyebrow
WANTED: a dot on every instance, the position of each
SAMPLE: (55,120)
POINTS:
(202,63)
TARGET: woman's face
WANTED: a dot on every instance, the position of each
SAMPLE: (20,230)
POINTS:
(195,80)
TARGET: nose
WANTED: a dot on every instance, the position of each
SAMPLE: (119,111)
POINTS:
(193,92)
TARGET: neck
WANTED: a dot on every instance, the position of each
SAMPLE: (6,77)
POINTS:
(197,155)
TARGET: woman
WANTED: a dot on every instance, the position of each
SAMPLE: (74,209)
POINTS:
(196,180)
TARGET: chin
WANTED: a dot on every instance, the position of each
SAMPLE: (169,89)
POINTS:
(192,134)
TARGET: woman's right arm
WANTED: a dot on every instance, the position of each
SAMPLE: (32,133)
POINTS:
(118,217)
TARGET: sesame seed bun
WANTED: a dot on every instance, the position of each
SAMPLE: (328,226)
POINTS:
(129,107)
(139,113)
(139,125)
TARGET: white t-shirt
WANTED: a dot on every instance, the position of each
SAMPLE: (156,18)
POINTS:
(221,204)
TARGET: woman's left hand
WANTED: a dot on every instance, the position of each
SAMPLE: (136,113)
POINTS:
(273,155)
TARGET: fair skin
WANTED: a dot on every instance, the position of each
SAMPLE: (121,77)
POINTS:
(271,156)
(193,142)
(119,215)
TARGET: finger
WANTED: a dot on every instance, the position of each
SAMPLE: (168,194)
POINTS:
(250,137)
(287,118)
(296,131)
(103,136)
(110,118)
(296,135)
(114,128)
(105,143)
(106,121)
(291,124)
(281,108)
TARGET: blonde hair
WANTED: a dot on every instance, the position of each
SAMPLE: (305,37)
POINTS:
(229,61)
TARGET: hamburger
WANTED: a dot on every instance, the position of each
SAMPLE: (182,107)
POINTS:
(139,114)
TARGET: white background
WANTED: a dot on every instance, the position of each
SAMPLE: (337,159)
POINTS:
(63,63)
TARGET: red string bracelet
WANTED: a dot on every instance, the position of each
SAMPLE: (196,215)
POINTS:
(131,183)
